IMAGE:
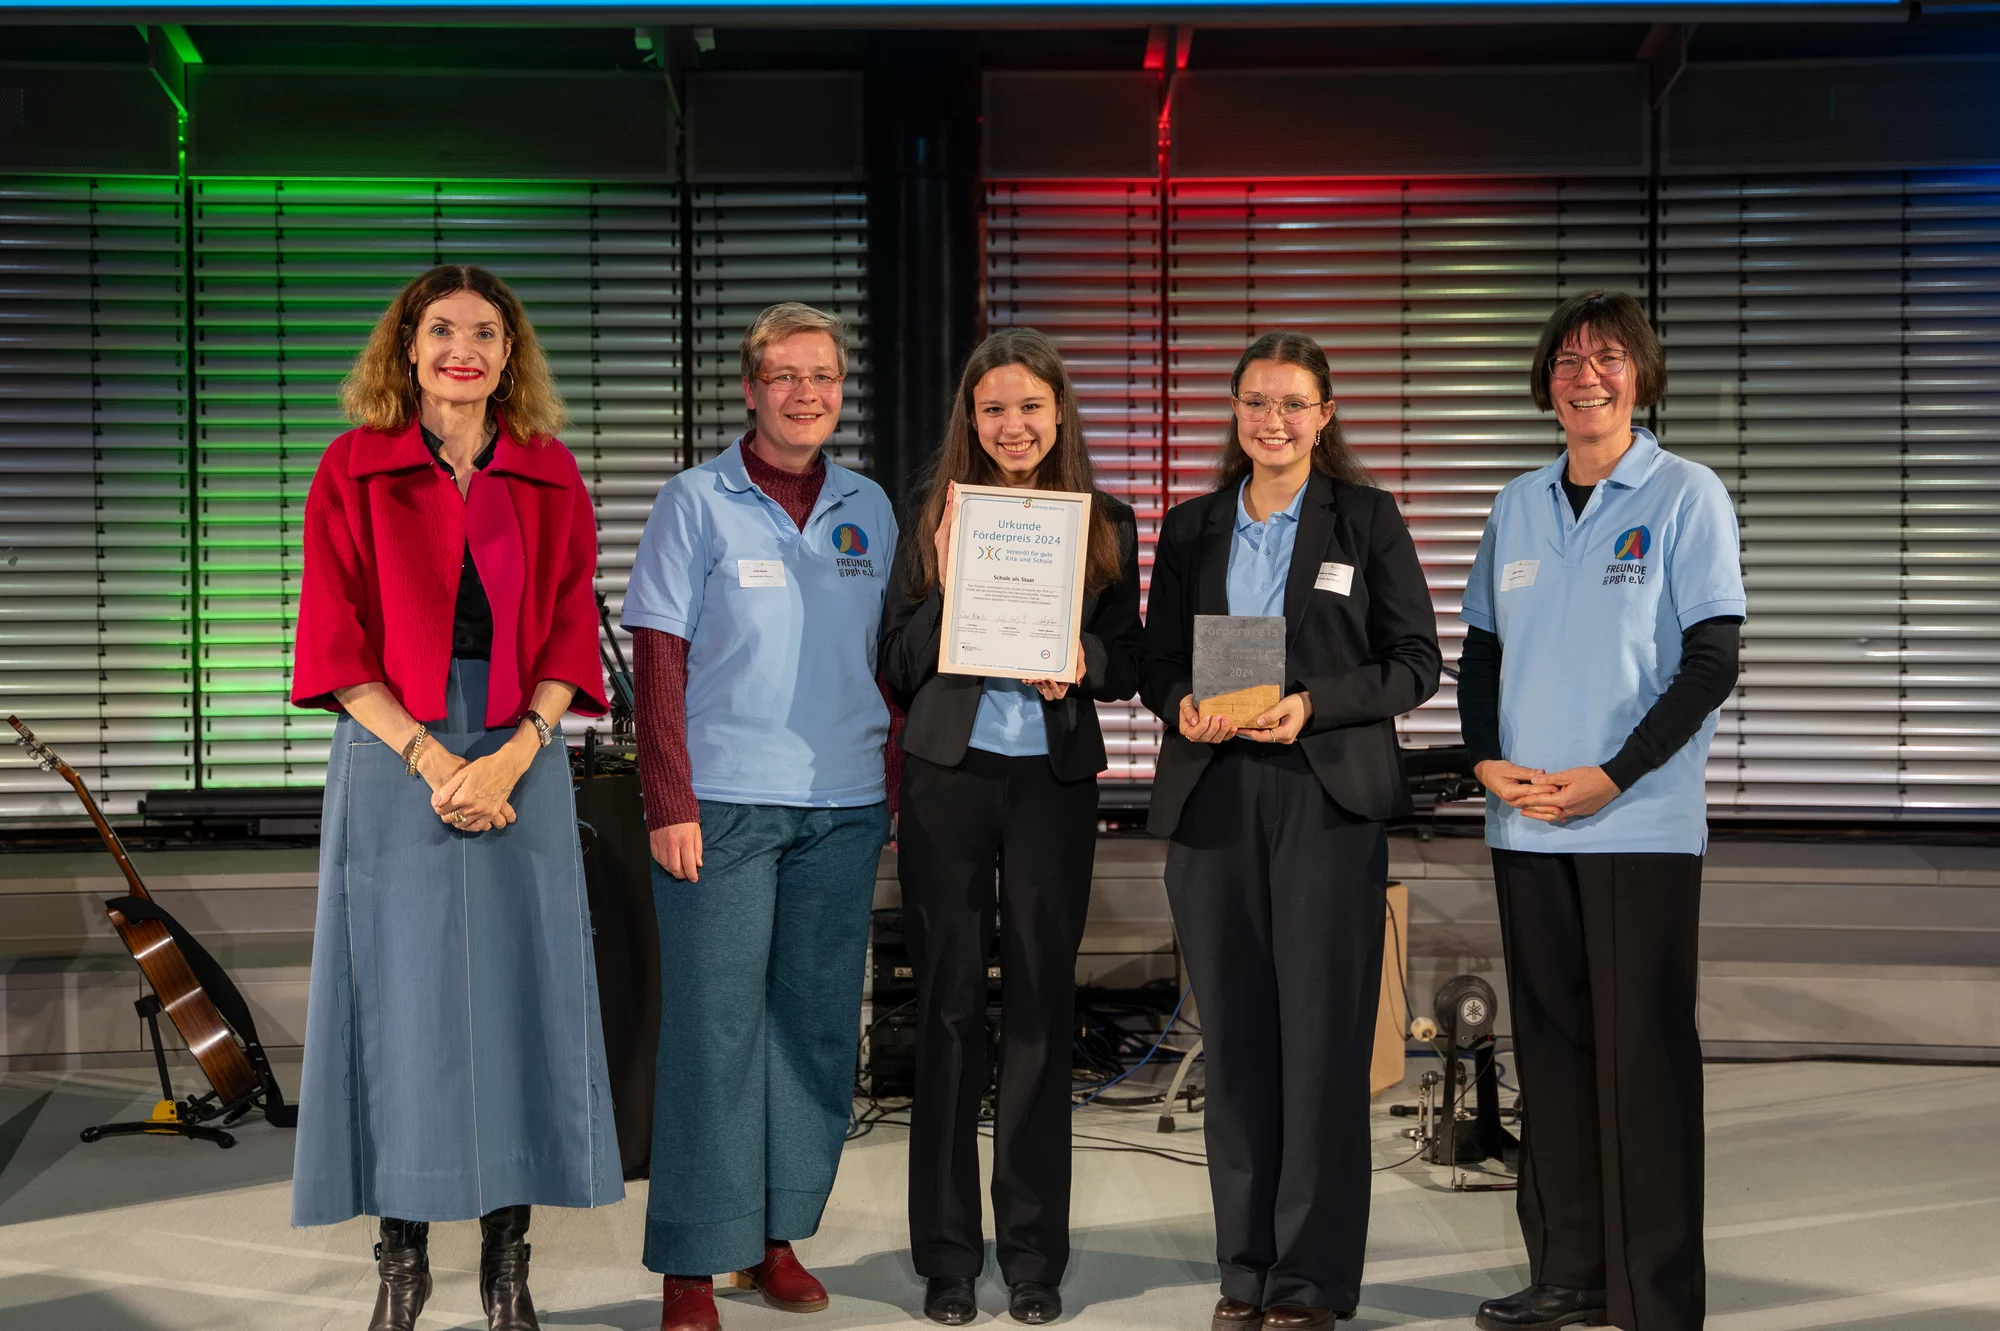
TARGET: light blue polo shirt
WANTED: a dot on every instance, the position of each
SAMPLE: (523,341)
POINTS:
(1589,611)
(1010,720)
(1260,556)
(782,625)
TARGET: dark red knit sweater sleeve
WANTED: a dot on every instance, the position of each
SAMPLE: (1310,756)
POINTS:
(659,685)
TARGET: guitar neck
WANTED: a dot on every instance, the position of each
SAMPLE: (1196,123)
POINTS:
(111,841)
(51,761)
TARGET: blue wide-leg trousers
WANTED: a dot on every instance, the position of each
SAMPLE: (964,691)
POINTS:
(761,966)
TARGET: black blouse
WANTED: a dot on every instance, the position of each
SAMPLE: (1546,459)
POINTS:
(472,621)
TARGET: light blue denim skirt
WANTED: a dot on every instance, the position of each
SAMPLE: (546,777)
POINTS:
(454,1062)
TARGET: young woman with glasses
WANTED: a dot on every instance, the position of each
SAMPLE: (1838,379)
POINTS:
(1277,864)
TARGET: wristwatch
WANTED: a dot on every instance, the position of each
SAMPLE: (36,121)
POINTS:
(544,732)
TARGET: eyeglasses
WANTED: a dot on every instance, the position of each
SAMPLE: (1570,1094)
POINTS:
(1609,361)
(787,384)
(1255,406)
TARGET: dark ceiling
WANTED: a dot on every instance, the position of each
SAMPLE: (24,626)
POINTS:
(383,46)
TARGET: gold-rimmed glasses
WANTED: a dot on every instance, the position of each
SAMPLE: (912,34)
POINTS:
(1255,406)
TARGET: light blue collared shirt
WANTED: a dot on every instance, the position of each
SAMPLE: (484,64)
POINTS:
(781,625)
(1590,610)
(1260,556)
(1010,721)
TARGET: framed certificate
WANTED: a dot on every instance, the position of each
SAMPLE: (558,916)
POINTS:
(1013,583)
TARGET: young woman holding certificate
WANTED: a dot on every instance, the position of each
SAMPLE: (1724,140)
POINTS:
(1001,774)
(1278,864)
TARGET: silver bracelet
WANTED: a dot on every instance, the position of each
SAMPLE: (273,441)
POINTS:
(544,733)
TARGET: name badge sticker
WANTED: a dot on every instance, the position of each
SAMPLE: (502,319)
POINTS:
(1520,573)
(1335,578)
(760,573)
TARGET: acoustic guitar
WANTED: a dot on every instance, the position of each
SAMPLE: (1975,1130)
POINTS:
(189,986)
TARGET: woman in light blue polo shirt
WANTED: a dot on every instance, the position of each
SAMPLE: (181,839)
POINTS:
(754,604)
(1603,611)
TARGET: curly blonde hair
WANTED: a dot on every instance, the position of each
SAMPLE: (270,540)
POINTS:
(381,392)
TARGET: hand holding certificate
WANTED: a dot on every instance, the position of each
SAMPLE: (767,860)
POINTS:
(1013,583)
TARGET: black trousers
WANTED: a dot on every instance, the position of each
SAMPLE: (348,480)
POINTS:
(1279,897)
(958,825)
(1601,972)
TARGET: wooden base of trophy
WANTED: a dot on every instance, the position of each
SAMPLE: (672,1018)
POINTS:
(1243,706)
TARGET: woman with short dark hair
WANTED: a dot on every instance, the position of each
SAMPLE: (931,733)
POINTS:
(999,804)
(1610,581)
(454,1064)
(1277,862)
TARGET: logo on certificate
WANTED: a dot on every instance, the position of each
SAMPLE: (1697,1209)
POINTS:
(989,552)
(849,539)
(1634,544)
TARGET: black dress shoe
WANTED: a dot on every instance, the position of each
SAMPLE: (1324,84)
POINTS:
(948,1300)
(1033,1302)
(1543,1308)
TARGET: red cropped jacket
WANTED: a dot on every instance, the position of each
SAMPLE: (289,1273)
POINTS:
(385,534)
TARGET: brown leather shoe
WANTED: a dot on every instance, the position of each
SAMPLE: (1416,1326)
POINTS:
(1236,1315)
(687,1303)
(1296,1317)
(783,1282)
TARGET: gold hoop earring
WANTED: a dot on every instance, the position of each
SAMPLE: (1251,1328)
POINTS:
(508,375)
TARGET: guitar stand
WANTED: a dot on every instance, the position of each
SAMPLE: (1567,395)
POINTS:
(169,1118)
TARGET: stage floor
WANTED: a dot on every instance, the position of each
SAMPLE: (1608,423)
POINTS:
(1840,1195)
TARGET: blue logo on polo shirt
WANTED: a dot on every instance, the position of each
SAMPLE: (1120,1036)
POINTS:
(849,539)
(1633,544)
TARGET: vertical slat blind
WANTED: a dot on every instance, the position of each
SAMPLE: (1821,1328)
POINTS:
(290,276)
(752,249)
(1082,263)
(96,599)
(1834,352)
(1427,296)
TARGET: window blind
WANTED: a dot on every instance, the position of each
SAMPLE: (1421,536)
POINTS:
(1834,354)
(1082,263)
(752,249)
(290,276)
(96,596)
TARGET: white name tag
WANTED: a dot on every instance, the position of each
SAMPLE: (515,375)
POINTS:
(1335,578)
(1520,573)
(760,573)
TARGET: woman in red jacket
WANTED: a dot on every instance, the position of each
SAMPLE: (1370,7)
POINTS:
(454,1064)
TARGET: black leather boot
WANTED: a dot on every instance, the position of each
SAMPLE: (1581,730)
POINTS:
(403,1260)
(1543,1308)
(503,1270)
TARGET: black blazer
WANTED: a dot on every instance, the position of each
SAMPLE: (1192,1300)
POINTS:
(1366,658)
(942,707)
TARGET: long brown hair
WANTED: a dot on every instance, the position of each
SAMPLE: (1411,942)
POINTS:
(1330,455)
(1066,466)
(381,390)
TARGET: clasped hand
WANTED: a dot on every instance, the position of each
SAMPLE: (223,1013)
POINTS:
(1547,797)
(472,796)
(1279,725)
